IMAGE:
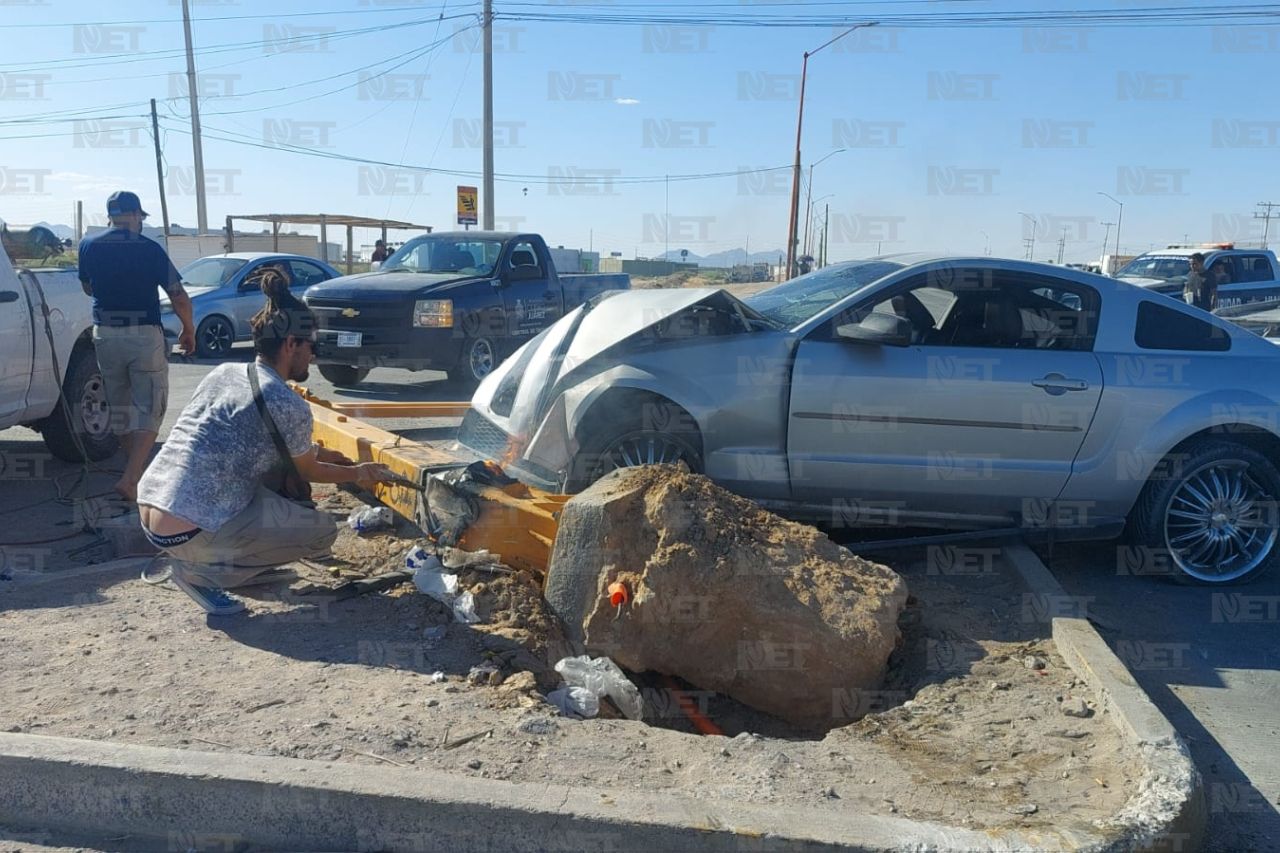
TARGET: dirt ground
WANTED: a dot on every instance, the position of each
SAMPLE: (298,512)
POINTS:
(964,730)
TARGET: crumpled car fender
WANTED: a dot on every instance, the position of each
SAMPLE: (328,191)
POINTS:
(555,443)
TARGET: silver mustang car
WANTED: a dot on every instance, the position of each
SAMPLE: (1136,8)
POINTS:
(910,390)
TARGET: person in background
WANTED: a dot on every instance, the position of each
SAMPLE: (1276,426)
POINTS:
(124,272)
(210,499)
(380,252)
(1200,289)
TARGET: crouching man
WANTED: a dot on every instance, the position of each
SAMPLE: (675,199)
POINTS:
(210,499)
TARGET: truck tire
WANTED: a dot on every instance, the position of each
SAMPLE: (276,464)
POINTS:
(1210,511)
(631,432)
(79,430)
(479,358)
(214,337)
(343,374)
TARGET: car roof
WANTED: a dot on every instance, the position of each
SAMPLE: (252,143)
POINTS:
(255,256)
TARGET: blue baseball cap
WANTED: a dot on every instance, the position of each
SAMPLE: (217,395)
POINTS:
(123,201)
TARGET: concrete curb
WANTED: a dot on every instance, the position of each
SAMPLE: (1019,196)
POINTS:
(1167,811)
(177,799)
(218,801)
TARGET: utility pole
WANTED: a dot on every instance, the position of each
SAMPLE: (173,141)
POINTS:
(1030,241)
(826,222)
(666,221)
(1105,237)
(1265,216)
(79,221)
(155,135)
(1062,245)
(202,214)
(793,222)
(488,115)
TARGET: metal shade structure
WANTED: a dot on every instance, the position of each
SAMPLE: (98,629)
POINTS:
(324,220)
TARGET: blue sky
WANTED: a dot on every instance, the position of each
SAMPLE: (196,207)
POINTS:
(948,133)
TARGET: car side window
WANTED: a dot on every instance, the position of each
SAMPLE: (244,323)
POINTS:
(306,274)
(1253,268)
(523,255)
(1160,327)
(989,309)
(248,282)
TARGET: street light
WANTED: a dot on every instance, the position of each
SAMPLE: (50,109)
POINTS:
(1031,250)
(986,251)
(794,222)
(1119,222)
(809,203)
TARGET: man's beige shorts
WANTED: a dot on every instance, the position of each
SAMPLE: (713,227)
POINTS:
(135,374)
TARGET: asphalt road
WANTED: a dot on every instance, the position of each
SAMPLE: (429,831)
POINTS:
(1209,658)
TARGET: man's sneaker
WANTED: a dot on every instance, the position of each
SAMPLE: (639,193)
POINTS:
(214,601)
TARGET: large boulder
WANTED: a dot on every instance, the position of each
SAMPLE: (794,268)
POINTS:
(723,594)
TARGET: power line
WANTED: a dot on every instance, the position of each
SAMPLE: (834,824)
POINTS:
(275,15)
(223,135)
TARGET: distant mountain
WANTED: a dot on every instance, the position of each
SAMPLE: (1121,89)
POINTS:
(725,259)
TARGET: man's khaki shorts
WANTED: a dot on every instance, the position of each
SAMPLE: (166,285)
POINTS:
(135,374)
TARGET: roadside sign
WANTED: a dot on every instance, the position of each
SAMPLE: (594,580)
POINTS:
(468,205)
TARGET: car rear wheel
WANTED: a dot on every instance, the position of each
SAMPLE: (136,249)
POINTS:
(79,430)
(1212,509)
(656,433)
(342,374)
(214,337)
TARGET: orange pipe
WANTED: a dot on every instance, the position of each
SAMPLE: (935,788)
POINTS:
(690,709)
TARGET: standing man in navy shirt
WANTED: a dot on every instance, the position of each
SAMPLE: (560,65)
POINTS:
(123,272)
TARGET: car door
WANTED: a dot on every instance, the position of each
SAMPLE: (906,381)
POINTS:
(305,274)
(1244,278)
(248,299)
(531,300)
(984,409)
(15,347)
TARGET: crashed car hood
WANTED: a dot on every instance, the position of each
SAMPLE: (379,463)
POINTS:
(583,335)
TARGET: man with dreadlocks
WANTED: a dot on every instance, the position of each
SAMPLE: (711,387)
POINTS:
(208,498)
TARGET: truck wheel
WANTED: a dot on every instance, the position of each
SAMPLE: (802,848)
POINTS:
(647,432)
(79,430)
(342,374)
(214,337)
(479,358)
(1213,513)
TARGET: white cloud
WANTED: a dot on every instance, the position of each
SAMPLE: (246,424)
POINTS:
(626,102)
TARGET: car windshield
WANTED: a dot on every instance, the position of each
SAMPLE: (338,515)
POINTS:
(445,255)
(799,299)
(211,272)
(1165,268)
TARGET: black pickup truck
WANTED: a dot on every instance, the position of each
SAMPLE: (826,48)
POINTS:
(457,301)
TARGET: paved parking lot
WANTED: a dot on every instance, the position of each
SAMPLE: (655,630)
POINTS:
(1209,658)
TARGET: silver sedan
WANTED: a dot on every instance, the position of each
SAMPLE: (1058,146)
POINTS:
(910,390)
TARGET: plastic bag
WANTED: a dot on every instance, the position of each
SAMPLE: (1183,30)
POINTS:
(464,606)
(436,584)
(575,702)
(369,518)
(602,677)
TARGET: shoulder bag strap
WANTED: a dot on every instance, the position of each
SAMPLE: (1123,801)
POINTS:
(261,403)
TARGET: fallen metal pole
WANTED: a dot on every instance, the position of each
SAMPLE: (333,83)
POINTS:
(516,522)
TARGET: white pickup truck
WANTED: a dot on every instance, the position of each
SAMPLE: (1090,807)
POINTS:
(49,378)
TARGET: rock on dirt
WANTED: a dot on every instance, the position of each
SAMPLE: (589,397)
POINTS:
(723,594)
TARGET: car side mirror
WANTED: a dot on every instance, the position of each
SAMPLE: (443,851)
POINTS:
(877,329)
